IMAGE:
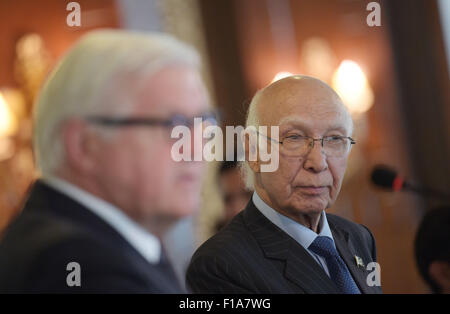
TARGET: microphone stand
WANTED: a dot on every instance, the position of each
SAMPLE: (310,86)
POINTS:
(425,191)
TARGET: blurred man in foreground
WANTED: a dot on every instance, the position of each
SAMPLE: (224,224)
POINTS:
(432,248)
(284,242)
(109,187)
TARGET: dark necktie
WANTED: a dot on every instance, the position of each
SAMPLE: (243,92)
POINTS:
(339,273)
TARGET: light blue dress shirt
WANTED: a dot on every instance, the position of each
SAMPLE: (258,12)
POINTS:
(303,235)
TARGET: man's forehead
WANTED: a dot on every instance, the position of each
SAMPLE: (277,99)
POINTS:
(330,122)
(173,89)
(315,109)
(301,100)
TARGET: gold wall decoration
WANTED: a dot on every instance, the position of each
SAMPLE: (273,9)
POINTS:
(31,64)
(17,170)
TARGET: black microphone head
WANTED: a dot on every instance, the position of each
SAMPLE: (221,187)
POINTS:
(384,176)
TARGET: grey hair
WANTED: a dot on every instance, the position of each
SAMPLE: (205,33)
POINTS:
(251,121)
(92,79)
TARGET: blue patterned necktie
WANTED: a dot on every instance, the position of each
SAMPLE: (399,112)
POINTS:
(339,273)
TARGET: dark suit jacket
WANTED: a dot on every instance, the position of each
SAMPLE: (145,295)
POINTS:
(252,255)
(54,230)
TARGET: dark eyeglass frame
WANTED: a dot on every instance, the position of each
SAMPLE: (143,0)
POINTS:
(173,121)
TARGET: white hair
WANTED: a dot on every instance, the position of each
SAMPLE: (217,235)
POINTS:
(251,121)
(93,79)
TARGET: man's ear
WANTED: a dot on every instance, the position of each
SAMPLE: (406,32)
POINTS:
(250,149)
(440,273)
(78,145)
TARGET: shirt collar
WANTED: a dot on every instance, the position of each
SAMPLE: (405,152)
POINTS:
(147,244)
(303,235)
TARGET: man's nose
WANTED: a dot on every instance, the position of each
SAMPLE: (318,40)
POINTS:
(316,159)
(198,141)
(195,142)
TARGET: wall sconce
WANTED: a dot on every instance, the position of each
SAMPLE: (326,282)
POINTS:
(8,120)
(318,58)
(8,128)
(351,84)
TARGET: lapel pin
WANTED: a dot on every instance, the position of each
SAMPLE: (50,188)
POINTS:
(359,261)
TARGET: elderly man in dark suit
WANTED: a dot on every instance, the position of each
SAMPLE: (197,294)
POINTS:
(284,241)
(109,188)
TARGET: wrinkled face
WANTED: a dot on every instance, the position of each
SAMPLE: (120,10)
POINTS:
(308,184)
(136,167)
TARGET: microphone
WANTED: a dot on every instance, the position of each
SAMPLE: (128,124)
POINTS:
(386,177)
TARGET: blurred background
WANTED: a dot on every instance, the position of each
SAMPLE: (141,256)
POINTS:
(393,76)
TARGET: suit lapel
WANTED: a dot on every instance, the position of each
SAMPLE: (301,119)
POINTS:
(46,200)
(348,252)
(300,267)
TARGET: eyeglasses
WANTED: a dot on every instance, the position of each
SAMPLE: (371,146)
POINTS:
(209,118)
(299,145)
(206,119)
